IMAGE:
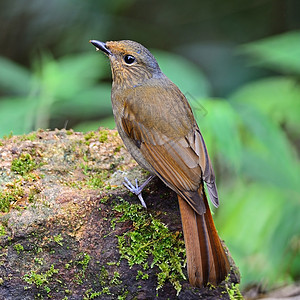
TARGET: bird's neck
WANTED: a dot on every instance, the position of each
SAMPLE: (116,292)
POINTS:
(123,78)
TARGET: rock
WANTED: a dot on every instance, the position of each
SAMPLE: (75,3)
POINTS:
(60,223)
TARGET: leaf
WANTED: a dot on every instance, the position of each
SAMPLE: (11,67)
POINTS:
(255,212)
(183,73)
(279,52)
(14,78)
(218,123)
(64,78)
(88,103)
(285,240)
(276,97)
(17,115)
(65,82)
(267,155)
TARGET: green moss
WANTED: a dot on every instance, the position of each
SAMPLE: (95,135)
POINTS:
(2,230)
(89,135)
(85,158)
(107,284)
(123,296)
(10,194)
(83,261)
(233,290)
(113,263)
(7,137)
(116,279)
(5,200)
(117,149)
(14,191)
(94,179)
(141,275)
(97,181)
(103,277)
(19,248)
(103,136)
(23,165)
(39,261)
(90,294)
(104,199)
(28,137)
(106,290)
(151,240)
(33,191)
(69,132)
(58,239)
(41,280)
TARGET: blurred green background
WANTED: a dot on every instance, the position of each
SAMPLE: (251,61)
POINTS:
(238,62)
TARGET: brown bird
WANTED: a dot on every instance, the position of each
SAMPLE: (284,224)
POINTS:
(158,128)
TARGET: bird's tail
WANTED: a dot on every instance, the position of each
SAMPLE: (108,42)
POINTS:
(206,258)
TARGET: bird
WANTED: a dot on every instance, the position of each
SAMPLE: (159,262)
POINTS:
(158,128)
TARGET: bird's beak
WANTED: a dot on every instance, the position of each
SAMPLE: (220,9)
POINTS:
(101,46)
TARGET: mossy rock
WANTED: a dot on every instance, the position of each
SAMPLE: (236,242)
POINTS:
(67,223)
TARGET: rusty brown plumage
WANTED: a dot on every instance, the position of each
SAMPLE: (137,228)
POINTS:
(158,128)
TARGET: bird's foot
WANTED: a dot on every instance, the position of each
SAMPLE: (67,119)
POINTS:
(137,190)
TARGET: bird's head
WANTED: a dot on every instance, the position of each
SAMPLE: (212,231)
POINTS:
(131,63)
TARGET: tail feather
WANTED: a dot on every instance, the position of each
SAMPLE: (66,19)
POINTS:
(221,263)
(206,259)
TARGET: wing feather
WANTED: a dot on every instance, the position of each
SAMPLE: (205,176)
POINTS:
(177,153)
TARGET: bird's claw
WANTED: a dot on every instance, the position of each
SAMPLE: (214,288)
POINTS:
(135,189)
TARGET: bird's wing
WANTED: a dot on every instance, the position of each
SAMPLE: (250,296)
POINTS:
(164,129)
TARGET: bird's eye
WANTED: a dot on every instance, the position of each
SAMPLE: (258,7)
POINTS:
(129,59)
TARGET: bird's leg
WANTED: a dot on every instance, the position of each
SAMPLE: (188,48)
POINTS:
(137,190)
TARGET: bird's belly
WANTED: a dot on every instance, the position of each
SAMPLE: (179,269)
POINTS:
(135,151)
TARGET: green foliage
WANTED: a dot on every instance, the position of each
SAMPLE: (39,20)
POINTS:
(14,78)
(278,98)
(280,52)
(151,239)
(259,191)
(63,88)
(220,128)
(66,88)
(183,73)
(17,114)
(251,137)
